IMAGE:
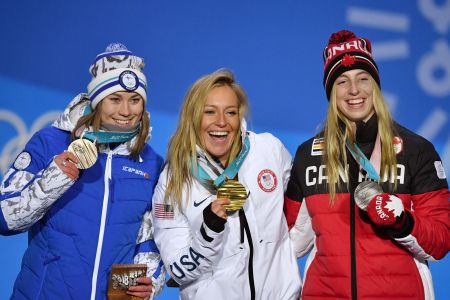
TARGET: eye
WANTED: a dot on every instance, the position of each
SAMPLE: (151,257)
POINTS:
(135,100)
(232,112)
(209,109)
(340,81)
(114,99)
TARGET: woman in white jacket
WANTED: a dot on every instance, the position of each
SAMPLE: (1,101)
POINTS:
(211,250)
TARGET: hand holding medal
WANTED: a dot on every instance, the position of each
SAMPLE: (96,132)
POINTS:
(81,154)
(66,162)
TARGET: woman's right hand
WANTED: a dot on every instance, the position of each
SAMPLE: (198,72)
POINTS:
(67,162)
(217,207)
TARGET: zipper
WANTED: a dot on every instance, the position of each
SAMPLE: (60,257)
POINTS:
(353,182)
(353,248)
(101,233)
(354,169)
(251,278)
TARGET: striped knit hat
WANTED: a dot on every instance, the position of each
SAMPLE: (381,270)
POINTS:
(117,69)
(344,52)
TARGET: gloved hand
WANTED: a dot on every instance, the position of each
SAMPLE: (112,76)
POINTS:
(386,209)
(382,208)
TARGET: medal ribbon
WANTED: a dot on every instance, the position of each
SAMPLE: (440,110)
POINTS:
(230,172)
(104,137)
(371,166)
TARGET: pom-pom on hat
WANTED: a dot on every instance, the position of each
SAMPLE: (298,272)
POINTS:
(345,51)
(115,70)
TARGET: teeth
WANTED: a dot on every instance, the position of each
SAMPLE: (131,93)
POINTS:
(122,122)
(355,101)
(218,133)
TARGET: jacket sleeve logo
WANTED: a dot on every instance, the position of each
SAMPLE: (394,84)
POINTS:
(187,263)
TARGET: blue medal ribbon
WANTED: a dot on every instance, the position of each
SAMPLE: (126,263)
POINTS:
(104,137)
(359,156)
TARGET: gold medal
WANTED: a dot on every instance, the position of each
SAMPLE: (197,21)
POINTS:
(85,151)
(234,191)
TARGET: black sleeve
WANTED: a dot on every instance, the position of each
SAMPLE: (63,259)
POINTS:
(213,221)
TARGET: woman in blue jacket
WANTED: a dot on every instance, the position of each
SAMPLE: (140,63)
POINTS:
(82,186)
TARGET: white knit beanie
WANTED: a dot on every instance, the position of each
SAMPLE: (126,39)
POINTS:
(115,70)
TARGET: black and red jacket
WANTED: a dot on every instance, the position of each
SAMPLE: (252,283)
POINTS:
(351,258)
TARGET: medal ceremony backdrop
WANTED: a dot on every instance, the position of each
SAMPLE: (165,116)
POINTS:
(273,47)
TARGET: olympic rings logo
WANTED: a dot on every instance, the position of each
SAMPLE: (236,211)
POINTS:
(12,147)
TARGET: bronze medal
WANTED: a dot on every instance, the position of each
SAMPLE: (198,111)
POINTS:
(234,191)
(85,151)
(123,276)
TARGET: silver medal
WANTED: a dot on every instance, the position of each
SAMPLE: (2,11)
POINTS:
(366,191)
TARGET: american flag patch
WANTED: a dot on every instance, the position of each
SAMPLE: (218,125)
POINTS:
(163,211)
(317,147)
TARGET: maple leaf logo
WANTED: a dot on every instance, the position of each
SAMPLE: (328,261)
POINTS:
(348,60)
(395,205)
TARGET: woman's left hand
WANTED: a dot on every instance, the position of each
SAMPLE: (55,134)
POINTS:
(144,289)
(217,207)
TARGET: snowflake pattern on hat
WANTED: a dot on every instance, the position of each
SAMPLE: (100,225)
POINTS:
(115,47)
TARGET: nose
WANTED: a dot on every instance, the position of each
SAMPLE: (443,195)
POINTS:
(124,109)
(221,119)
(354,89)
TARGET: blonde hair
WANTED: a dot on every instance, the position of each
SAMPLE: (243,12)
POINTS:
(338,130)
(94,121)
(182,153)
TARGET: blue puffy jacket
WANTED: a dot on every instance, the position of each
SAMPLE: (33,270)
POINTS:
(90,224)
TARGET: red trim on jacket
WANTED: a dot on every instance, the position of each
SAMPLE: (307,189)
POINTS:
(291,209)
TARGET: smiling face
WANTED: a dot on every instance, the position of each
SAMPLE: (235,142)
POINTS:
(354,95)
(220,122)
(122,109)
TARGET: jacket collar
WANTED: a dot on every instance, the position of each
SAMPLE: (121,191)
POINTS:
(366,132)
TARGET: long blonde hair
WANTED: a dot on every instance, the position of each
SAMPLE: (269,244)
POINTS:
(336,135)
(93,120)
(182,153)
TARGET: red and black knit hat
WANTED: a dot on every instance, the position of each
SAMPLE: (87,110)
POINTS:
(345,51)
